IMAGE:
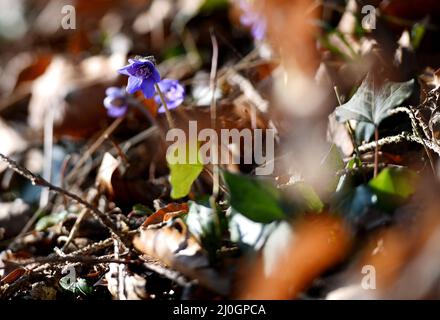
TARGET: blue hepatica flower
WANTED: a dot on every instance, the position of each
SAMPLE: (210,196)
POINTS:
(173,93)
(252,19)
(116,102)
(142,75)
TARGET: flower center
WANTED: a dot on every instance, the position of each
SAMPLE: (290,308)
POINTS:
(143,72)
(172,94)
(118,102)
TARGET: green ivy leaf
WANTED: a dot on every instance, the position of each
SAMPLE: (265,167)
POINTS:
(310,200)
(395,182)
(80,286)
(183,175)
(256,198)
(372,105)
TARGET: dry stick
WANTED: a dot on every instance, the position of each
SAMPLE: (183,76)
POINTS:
(94,147)
(83,259)
(91,198)
(404,136)
(37,180)
(47,152)
(412,117)
(376,151)
(213,86)
(173,275)
(167,111)
(249,91)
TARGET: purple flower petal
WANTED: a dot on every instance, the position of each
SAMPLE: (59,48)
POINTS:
(148,88)
(124,70)
(142,76)
(117,112)
(115,102)
(114,92)
(173,92)
(253,19)
(134,84)
(155,75)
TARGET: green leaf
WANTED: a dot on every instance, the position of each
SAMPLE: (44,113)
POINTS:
(50,220)
(307,199)
(332,163)
(372,105)
(210,5)
(183,175)
(417,33)
(364,131)
(395,182)
(256,198)
(80,286)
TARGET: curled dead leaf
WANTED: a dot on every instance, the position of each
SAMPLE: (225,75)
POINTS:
(108,166)
(166,213)
(177,248)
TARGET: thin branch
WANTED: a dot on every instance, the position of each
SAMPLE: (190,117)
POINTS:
(412,117)
(88,153)
(376,151)
(403,137)
(37,180)
(83,259)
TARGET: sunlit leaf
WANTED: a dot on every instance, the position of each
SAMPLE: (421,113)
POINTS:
(182,175)
(80,286)
(397,182)
(372,105)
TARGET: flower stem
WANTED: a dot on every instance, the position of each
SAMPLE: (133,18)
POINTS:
(376,151)
(167,111)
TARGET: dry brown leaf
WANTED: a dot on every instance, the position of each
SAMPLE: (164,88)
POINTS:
(166,213)
(178,249)
(108,166)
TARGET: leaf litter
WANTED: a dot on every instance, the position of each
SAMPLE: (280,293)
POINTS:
(93,207)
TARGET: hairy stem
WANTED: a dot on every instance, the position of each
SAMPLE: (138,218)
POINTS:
(376,151)
(167,111)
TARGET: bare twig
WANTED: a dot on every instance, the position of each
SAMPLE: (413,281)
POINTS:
(168,273)
(249,91)
(37,180)
(107,132)
(412,117)
(376,151)
(67,258)
(404,136)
